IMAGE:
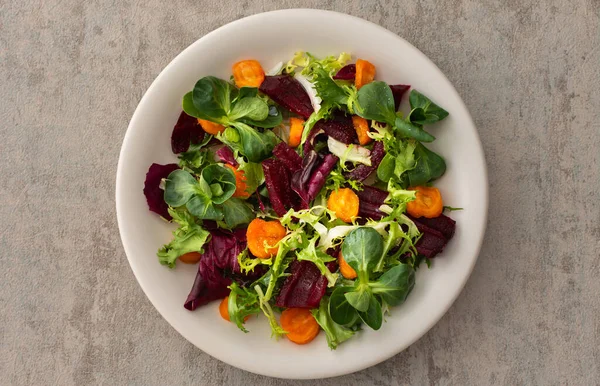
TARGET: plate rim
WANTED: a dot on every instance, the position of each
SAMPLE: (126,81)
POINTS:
(441,311)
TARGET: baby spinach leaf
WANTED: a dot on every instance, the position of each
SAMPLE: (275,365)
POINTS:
(254,174)
(247,92)
(256,146)
(412,131)
(373,316)
(395,285)
(376,102)
(212,97)
(251,107)
(359,298)
(362,249)
(424,111)
(334,333)
(188,107)
(386,167)
(340,310)
(429,167)
(236,212)
(180,187)
(273,119)
(221,181)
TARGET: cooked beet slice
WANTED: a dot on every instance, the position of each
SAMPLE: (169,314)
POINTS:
(339,127)
(288,156)
(398,90)
(372,194)
(443,224)
(154,194)
(348,72)
(277,178)
(187,130)
(369,210)
(289,93)
(225,154)
(431,242)
(304,288)
(362,172)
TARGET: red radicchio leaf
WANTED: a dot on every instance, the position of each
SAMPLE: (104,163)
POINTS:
(301,177)
(318,177)
(154,194)
(348,72)
(226,155)
(398,90)
(361,172)
(288,156)
(289,93)
(187,130)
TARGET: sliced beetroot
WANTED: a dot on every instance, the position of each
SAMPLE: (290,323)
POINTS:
(339,127)
(288,156)
(315,135)
(398,90)
(348,72)
(289,93)
(225,154)
(304,288)
(277,178)
(154,194)
(431,242)
(369,210)
(372,194)
(301,177)
(218,266)
(187,130)
(443,224)
(318,177)
(362,172)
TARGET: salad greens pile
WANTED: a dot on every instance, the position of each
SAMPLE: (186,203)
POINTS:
(244,173)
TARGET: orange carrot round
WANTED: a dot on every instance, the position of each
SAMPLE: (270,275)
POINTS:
(344,202)
(428,203)
(362,129)
(240,182)
(248,73)
(300,325)
(262,236)
(224,308)
(345,269)
(190,257)
(365,73)
(296,129)
(211,127)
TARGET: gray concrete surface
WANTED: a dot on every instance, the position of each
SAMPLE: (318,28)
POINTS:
(71,75)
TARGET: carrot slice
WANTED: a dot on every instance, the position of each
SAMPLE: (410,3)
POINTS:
(262,236)
(344,202)
(224,310)
(300,325)
(190,258)
(365,73)
(296,129)
(211,127)
(428,203)
(345,269)
(248,73)
(240,182)
(362,129)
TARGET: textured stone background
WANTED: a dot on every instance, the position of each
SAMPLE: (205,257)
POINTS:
(71,75)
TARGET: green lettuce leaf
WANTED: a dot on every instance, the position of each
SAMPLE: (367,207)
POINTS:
(334,333)
(189,237)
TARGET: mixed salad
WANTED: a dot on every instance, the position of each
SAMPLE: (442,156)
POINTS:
(302,192)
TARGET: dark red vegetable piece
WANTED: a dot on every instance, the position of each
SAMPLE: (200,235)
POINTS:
(225,154)
(443,224)
(289,93)
(339,127)
(277,178)
(154,194)
(304,288)
(398,90)
(316,134)
(288,156)
(318,177)
(301,177)
(362,172)
(372,195)
(348,72)
(187,130)
(369,210)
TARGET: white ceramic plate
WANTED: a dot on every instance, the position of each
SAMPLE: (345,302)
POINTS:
(270,38)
